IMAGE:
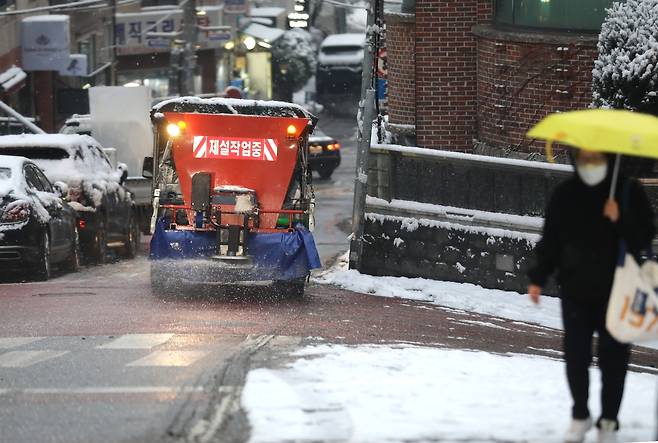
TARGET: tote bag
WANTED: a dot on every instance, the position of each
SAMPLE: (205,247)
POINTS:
(632,315)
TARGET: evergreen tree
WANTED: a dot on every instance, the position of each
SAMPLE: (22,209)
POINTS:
(293,62)
(625,75)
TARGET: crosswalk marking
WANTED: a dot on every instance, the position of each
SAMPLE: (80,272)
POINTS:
(14,342)
(108,390)
(23,359)
(169,358)
(137,341)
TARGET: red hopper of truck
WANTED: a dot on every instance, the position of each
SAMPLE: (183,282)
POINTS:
(233,200)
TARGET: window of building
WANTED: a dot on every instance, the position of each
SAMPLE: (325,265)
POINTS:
(580,15)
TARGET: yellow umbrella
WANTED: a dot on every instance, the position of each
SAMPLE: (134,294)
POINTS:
(605,130)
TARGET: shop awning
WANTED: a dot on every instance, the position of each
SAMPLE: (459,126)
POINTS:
(262,32)
(12,79)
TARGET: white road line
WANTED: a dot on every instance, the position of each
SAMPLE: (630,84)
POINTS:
(169,358)
(23,359)
(14,342)
(106,390)
(137,341)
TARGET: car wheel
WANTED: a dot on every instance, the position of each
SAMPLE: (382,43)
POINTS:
(72,263)
(42,268)
(99,244)
(325,173)
(131,240)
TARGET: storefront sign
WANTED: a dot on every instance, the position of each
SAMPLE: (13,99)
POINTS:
(76,67)
(235,148)
(45,41)
(235,6)
(134,30)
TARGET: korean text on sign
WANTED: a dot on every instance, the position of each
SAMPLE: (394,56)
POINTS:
(264,149)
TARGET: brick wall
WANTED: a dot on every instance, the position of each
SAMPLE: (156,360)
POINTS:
(520,82)
(473,82)
(400,43)
(445,73)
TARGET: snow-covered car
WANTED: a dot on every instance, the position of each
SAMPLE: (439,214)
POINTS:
(324,153)
(105,208)
(37,228)
(340,64)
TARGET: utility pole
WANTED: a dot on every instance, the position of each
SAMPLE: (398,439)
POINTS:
(365,117)
(113,68)
(190,43)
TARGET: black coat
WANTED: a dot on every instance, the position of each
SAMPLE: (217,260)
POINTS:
(581,245)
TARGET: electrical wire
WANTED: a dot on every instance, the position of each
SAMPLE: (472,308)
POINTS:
(102,6)
(345,5)
(50,8)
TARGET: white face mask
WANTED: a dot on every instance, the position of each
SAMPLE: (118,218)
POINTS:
(592,175)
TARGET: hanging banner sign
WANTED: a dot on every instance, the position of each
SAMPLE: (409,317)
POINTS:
(134,30)
(45,42)
(235,148)
(235,6)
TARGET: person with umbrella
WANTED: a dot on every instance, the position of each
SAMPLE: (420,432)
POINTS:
(586,218)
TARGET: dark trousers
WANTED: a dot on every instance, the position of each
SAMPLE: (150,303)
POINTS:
(580,322)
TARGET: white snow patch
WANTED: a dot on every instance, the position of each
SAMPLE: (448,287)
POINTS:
(472,157)
(408,393)
(470,215)
(410,224)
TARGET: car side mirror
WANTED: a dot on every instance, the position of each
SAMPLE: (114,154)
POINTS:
(61,188)
(147,168)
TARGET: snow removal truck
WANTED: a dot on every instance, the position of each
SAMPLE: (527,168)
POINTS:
(232,201)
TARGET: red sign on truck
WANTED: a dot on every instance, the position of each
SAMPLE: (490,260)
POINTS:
(236,148)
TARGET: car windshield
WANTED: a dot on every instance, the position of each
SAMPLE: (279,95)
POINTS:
(36,153)
(333,50)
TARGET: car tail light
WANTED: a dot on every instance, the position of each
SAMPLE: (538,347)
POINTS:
(16,212)
(82,224)
(333,146)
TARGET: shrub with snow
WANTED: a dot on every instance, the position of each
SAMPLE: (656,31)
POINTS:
(294,59)
(625,74)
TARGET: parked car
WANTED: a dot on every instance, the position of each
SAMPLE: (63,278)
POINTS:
(340,63)
(324,153)
(37,228)
(105,208)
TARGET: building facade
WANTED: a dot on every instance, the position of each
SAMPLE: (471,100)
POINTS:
(52,95)
(474,75)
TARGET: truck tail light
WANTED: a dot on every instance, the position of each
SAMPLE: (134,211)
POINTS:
(291,131)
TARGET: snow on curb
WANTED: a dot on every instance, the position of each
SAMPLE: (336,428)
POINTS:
(380,393)
(463,296)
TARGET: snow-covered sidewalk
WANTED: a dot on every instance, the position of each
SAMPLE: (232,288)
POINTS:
(376,393)
(467,297)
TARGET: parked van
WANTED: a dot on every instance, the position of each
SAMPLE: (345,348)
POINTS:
(340,64)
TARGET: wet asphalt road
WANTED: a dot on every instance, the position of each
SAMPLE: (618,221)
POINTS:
(94,356)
